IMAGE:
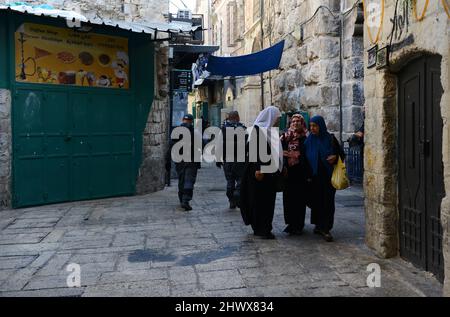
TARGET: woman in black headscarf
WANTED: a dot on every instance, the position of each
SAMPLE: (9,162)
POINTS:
(258,187)
(322,150)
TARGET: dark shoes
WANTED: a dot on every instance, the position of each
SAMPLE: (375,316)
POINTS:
(326,235)
(267,236)
(233,205)
(186,206)
(293,231)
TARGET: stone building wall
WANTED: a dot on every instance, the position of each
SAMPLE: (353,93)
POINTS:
(5,149)
(411,38)
(129,10)
(309,77)
(310,72)
(152,174)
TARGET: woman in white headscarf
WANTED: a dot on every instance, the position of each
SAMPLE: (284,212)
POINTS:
(258,188)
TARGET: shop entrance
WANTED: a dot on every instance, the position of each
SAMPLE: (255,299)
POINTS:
(71,144)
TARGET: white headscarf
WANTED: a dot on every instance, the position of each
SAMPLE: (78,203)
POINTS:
(266,120)
(268,117)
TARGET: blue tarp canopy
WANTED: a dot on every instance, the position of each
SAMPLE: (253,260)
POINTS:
(247,65)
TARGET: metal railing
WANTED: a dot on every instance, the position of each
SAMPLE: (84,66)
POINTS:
(354,162)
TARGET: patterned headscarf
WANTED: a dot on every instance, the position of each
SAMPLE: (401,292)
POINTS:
(291,139)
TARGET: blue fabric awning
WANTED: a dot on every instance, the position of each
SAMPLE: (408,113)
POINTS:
(247,65)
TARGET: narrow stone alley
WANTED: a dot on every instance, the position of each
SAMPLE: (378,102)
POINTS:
(148,246)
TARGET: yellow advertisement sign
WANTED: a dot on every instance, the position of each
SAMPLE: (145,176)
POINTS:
(52,55)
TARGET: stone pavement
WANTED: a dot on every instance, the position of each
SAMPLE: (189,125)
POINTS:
(147,246)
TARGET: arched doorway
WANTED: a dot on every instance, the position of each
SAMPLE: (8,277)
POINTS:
(421,184)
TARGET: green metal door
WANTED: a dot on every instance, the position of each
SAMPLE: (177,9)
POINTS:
(41,149)
(72,145)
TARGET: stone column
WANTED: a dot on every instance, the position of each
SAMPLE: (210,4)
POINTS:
(380,177)
(5,149)
(152,173)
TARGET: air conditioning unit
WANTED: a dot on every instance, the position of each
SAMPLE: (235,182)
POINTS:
(184,14)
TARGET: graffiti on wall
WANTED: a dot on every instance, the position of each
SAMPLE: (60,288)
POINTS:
(401,35)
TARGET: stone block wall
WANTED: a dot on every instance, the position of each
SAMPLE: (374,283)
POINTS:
(5,149)
(128,10)
(310,72)
(411,38)
(152,174)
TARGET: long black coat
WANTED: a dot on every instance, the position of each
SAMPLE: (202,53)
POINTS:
(257,201)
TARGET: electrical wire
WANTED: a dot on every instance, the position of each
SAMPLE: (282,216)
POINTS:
(184,4)
(171,1)
(355,5)
(346,13)
(394,25)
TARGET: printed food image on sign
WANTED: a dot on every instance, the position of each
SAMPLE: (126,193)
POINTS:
(52,55)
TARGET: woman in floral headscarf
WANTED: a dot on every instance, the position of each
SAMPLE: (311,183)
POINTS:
(296,172)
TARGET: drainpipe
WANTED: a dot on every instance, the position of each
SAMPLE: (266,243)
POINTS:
(341,71)
(209,24)
(261,19)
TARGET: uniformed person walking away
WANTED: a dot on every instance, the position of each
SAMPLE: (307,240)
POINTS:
(187,170)
(233,169)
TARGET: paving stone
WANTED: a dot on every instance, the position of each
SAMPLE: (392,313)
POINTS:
(186,290)
(183,275)
(56,292)
(55,265)
(236,292)
(5,274)
(18,280)
(221,280)
(59,281)
(157,288)
(23,238)
(133,276)
(16,262)
(83,258)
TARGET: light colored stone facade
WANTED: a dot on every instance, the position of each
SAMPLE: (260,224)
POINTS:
(152,173)
(429,36)
(129,10)
(5,149)
(310,72)
(309,77)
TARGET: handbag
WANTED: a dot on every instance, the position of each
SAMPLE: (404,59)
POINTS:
(339,180)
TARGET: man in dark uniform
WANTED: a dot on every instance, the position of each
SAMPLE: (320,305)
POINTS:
(233,169)
(187,170)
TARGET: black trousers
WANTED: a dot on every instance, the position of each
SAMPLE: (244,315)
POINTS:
(294,198)
(233,174)
(187,176)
